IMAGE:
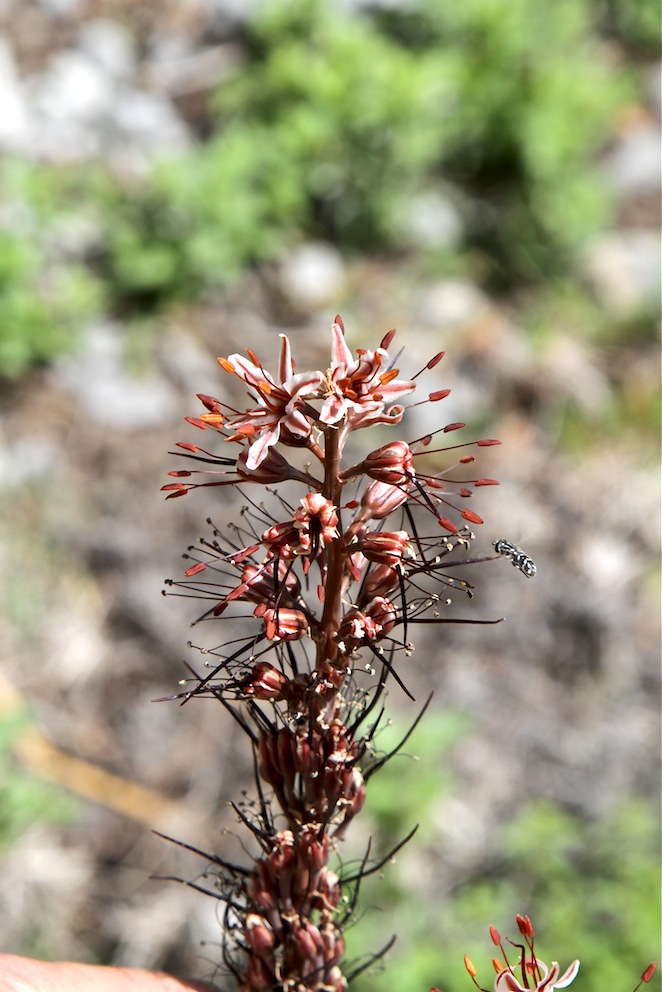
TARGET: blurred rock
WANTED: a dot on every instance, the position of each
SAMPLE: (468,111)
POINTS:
(634,164)
(175,69)
(623,268)
(61,8)
(73,88)
(111,45)
(449,304)
(189,364)
(569,368)
(83,106)
(227,15)
(107,392)
(432,221)
(313,276)
(655,89)
(14,117)
(23,459)
(149,121)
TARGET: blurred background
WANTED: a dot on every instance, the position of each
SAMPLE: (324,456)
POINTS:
(180,179)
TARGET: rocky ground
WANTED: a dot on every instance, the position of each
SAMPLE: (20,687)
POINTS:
(564,695)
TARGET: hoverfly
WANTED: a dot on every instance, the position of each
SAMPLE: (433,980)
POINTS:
(518,558)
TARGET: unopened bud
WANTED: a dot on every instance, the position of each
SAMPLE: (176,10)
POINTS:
(525,925)
(259,935)
(381,498)
(392,463)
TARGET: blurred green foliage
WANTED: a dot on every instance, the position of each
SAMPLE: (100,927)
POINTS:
(636,25)
(336,122)
(25,799)
(45,293)
(590,886)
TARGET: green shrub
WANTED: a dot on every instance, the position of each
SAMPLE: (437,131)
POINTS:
(44,293)
(338,120)
(335,123)
(591,888)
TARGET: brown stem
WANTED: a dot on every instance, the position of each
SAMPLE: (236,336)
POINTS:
(327,647)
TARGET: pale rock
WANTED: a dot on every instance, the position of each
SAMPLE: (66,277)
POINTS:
(14,119)
(229,14)
(451,304)
(24,459)
(313,276)
(432,221)
(73,88)
(60,8)
(570,368)
(633,166)
(623,269)
(149,121)
(107,392)
(110,44)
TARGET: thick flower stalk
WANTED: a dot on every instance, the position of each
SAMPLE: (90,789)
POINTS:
(331,590)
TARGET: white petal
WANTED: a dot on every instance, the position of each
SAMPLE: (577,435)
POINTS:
(568,976)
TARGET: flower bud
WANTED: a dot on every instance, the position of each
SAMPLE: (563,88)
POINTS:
(386,547)
(381,498)
(392,463)
(259,935)
(264,682)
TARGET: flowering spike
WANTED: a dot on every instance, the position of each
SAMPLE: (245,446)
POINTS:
(323,582)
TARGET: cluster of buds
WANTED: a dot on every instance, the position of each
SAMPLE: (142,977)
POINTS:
(328,589)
